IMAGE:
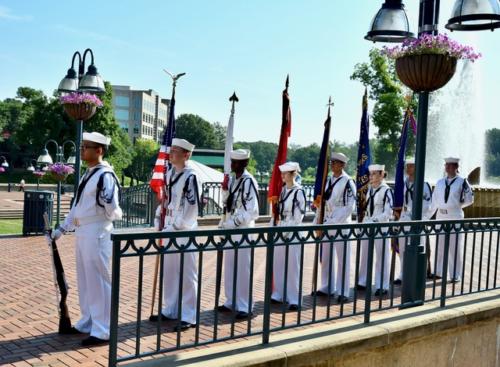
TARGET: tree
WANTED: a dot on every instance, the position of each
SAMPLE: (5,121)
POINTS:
(263,152)
(388,93)
(197,131)
(307,156)
(145,152)
(493,152)
(220,135)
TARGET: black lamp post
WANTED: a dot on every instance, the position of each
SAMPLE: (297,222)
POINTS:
(35,168)
(90,82)
(46,159)
(467,15)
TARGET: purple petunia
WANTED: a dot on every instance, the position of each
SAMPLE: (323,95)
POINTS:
(61,169)
(77,98)
(429,44)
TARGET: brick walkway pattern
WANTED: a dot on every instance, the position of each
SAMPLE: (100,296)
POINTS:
(28,314)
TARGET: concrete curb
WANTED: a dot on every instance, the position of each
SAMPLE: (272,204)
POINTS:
(326,342)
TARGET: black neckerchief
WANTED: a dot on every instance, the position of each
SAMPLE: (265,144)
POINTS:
(84,182)
(409,192)
(230,197)
(447,189)
(329,190)
(371,199)
(171,183)
(283,199)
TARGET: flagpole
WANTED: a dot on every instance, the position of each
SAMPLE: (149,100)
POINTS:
(171,120)
(228,147)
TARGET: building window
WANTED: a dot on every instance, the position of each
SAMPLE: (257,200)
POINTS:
(121,114)
(122,101)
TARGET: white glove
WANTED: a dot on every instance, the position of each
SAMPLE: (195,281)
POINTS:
(55,235)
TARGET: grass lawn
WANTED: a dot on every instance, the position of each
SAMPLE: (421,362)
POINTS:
(11,226)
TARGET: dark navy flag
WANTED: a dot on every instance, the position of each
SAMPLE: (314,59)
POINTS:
(364,160)
(399,184)
(322,169)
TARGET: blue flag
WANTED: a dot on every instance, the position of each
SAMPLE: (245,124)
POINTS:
(364,160)
(399,184)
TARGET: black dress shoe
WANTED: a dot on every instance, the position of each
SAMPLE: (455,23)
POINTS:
(223,308)
(342,299)
(381,292)
(184,326)
(276,302)
(92,340)
(293,308)
(397,282)
(242,315)
(319,293)
(455,280)
(71,331)
(360,287)
(154,318)
(435,276)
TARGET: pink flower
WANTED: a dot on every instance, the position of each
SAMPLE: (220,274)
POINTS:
(60,169)
(429,44)
(77,98)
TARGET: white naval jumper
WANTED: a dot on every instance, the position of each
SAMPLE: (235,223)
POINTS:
(379,202)
(449,198)
(181,214)
(243,209)
(91,216)
(407,211)
(340,199)
(291,209)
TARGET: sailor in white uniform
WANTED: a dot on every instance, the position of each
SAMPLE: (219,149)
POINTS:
(451,195)
(243,209)
(291,209)
(408,207)
(94,208)
(181,214)
(379,202)
(340,199)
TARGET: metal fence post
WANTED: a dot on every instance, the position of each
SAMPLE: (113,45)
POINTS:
(115,302)
(266,324)
(444,274)
(369,271)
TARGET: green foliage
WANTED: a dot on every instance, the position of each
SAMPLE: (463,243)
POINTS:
(379,75)
(493,153)
(197,131)
(32,118)
(145,152)
(263,152)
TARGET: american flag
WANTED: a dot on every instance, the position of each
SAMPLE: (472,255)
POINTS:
(157,182)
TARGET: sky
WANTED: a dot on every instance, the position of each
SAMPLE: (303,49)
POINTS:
(223,46)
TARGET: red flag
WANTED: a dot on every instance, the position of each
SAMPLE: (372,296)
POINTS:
(276,182)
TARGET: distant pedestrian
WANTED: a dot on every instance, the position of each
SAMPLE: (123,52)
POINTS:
(22,184)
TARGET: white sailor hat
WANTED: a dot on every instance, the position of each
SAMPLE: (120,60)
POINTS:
(290,167)
(182,143)
(96,138)
(339,157)
(376,167)
(410,160)
(452,160)
(240,154)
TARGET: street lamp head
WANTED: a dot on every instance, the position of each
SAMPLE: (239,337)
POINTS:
(69,83)
(92,82)
(5,164)
(31,168)
(72,158)
(45,157)
(474,15)
(390,24)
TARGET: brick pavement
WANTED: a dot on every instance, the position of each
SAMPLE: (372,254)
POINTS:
(28,315)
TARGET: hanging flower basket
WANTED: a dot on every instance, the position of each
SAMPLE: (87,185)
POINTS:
(60,171)
(426,72)
(429,62)
(80,106)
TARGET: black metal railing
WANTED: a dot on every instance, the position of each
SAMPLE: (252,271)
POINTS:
(306,253)
(138,204)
